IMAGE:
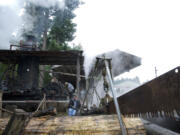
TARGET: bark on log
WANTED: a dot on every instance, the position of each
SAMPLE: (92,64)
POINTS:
(16,124)
(80,125)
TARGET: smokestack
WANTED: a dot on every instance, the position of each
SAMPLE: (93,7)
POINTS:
(29,44)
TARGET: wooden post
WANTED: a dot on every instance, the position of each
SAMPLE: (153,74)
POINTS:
(87,85)
(78,75)
(1,94)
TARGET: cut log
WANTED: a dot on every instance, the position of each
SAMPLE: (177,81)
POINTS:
(80,125)
(17,123)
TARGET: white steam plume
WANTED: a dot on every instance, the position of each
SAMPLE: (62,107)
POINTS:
(49,3)
(10,21)
(13,17)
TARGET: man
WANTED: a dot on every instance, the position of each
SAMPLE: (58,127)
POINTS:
(70,89)
(74,106)
(54,80)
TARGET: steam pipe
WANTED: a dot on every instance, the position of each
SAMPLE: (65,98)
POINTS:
(23,46)
(122,126)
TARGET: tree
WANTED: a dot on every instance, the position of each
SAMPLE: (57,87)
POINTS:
(40,22)
(63,28)
(77,47)
(51,25)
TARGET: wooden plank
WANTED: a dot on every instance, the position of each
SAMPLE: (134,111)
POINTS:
(45,57)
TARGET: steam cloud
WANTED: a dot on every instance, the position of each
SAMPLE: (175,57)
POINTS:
(49,3)
(121,62)
(13,17)
(10,21)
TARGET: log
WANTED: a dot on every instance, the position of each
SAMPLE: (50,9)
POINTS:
(80,125)
(17,123)
(154,129)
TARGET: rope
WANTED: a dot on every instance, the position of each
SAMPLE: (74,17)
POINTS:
(40,104)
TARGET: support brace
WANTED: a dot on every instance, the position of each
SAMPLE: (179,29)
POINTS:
(122,126)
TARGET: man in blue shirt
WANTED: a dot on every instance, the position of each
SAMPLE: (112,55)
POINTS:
(74,106)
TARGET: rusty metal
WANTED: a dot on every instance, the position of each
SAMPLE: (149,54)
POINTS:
(34,47)
(159,97)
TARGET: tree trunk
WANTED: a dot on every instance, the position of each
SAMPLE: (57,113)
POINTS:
(42,68)
(44,40)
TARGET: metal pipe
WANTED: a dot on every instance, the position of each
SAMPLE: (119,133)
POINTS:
(154,129)
(124,132)
(23,46)
(35,101)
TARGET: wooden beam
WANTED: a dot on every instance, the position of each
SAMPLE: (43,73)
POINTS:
(87,85)
(78,75)
(68,74)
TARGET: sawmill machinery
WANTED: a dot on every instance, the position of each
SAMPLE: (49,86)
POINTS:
(103,69)
(158,97)
(120,62)
(20,80)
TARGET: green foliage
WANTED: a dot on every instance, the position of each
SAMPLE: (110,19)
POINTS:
(77,47)
(63,29)
(54,46)
(3,67)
